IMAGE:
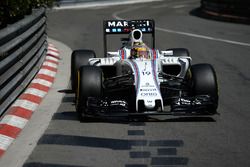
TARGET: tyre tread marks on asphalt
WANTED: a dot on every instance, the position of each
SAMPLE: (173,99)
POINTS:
(21,110)
(166,149)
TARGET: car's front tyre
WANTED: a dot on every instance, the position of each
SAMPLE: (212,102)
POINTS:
(79,58)
(89,84)
(204,82)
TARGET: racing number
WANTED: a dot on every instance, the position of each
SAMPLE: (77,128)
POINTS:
(146,72)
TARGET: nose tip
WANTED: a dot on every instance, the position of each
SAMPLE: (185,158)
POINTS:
(149,104)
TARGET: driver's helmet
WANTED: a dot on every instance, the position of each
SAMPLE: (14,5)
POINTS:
(140,51)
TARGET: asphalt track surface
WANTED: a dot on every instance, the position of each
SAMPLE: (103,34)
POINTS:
(222,140)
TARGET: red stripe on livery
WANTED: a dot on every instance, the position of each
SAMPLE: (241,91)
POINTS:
(123,55)
(154,52)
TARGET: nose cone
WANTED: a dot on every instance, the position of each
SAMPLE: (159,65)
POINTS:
(149,104)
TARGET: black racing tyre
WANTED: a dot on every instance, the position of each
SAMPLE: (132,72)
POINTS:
(89,84)
(78,59)
(204,82)
(179,52)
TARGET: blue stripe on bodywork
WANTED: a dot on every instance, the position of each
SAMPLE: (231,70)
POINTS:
(125,53)
(153,62)
(137,72)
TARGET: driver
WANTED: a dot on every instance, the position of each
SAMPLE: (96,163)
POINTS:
(140,50)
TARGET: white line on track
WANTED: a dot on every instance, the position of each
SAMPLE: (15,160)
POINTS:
(179,6)
(115,15)
(102,4)
(160,6)
(202,36)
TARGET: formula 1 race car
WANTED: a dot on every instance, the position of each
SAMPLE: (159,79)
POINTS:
(141,80)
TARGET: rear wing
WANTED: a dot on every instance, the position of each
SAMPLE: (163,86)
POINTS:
(114,27)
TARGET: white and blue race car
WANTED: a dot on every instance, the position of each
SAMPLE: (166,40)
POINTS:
(141,80)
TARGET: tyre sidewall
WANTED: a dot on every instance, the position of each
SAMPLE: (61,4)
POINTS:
(79,58)
(89,85)
(204,82)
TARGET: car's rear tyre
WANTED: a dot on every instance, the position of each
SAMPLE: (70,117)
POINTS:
(78,59)
(89,84)
(204,82)
(179,52)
